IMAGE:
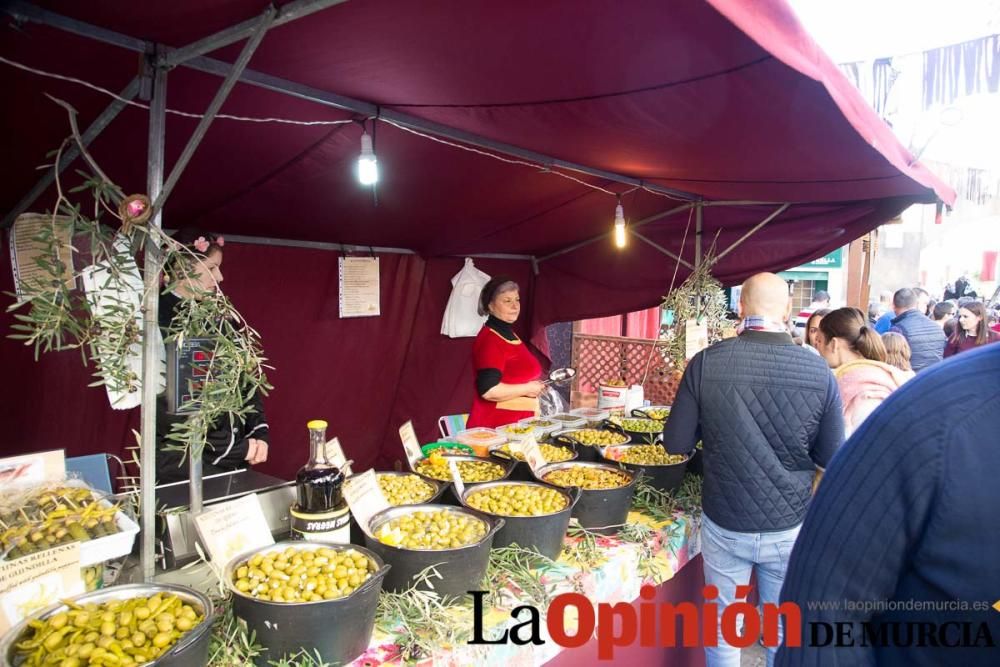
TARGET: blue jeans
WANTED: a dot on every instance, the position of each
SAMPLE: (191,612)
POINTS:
(729,559)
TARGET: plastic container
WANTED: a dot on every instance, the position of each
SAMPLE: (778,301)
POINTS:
(462,568)
(568,421)
(543,533)
(191,650)
(545,426)
(339,630)
(447,447)
(107,548)
(480,439)
(517,431)
(612,397)
(594,416)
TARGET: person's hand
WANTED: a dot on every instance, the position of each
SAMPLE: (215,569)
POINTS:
(256,451)
(533,389)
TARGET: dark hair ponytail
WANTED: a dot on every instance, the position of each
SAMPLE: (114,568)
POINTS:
(850,325)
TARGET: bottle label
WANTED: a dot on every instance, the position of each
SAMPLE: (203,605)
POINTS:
(334,526)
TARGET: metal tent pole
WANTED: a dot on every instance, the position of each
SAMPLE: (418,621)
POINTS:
(150,347)
(666,252)
(698,220)
(72,152)
(756,228)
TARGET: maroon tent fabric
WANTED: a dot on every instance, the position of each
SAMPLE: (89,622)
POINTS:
(725,100)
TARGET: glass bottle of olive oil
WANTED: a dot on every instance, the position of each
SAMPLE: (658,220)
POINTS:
(319,482)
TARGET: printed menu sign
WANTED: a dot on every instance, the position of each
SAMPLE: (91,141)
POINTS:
(229,529)
(359,287)
(365,498)
(410,444)
(35,581)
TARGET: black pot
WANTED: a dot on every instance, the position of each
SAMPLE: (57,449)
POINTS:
(543,534)
(462,569)
(696,465)
(662,477)
(190,651)
(585,453)
(521,472)
(358,535)
(643,413)
(450,497)
(601,511)
(338,630)
(636,437)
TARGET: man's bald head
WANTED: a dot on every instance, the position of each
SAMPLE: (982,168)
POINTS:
(765,295)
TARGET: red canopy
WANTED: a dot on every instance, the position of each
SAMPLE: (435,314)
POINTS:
(725,100)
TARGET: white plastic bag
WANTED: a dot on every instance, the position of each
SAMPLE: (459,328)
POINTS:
(461,316)
(551,402)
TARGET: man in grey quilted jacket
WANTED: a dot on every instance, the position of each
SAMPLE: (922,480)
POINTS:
(769,416)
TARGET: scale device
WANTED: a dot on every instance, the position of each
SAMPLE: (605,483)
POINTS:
(176,532)
(187,365)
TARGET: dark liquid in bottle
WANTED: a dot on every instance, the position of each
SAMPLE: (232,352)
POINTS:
(319,489)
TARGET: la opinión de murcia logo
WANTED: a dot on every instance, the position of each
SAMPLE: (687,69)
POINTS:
(741,625)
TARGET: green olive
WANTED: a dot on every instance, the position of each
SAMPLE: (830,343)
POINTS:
(109,633)
(405,489)
(331,572)
(597,438)
(588,477)
(436,467)
(641,425)
(551,453)
(436,529)
(649,455)
(517,500)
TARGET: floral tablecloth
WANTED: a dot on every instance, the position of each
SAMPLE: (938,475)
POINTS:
(624,567)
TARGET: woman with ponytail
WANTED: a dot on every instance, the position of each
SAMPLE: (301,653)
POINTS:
(855,352)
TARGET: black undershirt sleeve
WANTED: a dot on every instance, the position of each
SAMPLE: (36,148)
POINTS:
(486,379)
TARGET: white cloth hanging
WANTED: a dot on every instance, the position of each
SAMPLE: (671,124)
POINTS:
(461,316)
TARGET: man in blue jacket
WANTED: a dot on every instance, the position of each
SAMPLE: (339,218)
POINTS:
(926,339)
(898,561)
(769,415)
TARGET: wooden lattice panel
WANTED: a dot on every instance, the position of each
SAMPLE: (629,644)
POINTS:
(599,358)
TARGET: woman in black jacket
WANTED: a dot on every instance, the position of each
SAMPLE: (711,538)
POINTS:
(231,444)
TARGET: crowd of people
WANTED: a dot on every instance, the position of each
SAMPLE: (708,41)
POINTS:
(875,520)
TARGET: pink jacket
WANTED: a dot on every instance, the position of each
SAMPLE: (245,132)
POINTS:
(864,384)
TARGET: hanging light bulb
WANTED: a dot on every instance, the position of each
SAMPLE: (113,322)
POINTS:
(619,225)
(367,163)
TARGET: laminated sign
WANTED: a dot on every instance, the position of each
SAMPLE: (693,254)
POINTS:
(410,444)
(35,581)
(365,498)
(695,338)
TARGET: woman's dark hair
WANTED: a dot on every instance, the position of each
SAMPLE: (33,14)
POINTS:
(493,288)
(819,312)
(897,350)
(982,330)
(850,325)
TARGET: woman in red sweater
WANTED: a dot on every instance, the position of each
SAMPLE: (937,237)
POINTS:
(505,370)
(973,330)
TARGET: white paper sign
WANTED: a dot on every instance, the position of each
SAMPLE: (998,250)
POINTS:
(410,444)
(33,468)
(695,338)
(456,477)
(359,287)
(531,451)
(231,528)
(365,498)
(335,455)
(38,580)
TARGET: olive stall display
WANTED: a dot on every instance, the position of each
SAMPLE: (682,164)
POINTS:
(658,412)
(588,441)
(404,488)
(456,541)
(661,470)
(639,430)
(535,515)
(121,626)
(312,597)
(470,468)
(551,453)
(605,492)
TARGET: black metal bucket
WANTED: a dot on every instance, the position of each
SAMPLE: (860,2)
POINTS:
(450,497)
(338,630)
(652,412)
(358,535)
(585,453)
(462,569)
(662,477)
(190,651)
(601,511)
(636,437)
(521,472)
(543,534)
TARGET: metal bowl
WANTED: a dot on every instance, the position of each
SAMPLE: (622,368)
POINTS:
(190,651)
(662,476)
(507,467)
(599,510)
